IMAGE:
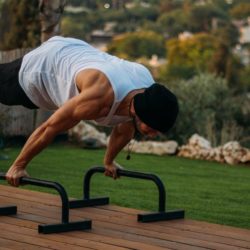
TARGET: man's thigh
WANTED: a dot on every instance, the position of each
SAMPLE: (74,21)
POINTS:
(11,92)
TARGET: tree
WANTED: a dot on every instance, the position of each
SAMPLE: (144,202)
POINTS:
(167,6)
(244,80)
(203,53)
(190,56)
(201,16)
(173,22)
(224,62)
(4,26)
(50,15)
(240,11)
(138,44)
(72,26)
(22,22)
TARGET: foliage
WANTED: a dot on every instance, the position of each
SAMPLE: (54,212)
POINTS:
(203,53)
(227,34)
(139,13)
(73,28)
(240,11)
(130,19)
(175,72)
(169,5)
(206,106)
(72,25)
(81,2)
(173,22)
(22,24)
(138,44)
(190,55)
(200,17)
(244,79)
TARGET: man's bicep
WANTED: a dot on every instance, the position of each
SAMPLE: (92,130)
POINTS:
(85,106)
(67,116)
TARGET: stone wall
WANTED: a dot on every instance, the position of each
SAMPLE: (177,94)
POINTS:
(196,148)
(199,148)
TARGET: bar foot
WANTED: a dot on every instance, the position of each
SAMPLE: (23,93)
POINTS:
(159,216)
(9,210)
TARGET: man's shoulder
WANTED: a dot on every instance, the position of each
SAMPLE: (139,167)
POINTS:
(90,77)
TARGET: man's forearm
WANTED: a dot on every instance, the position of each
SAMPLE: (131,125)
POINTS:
(119,138)
(39,139)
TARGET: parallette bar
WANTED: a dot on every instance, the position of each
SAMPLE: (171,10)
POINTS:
(65,225)
(154,216)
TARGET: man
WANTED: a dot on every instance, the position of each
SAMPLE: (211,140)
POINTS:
(83,83)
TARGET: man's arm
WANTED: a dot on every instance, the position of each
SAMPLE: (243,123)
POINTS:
(78,108)
(119,138)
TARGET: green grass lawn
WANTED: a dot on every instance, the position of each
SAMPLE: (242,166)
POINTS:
(207,191)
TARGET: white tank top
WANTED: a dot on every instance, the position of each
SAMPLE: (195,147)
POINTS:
(48,74)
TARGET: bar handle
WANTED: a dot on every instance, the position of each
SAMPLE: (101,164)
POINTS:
(48,184)
(127,173)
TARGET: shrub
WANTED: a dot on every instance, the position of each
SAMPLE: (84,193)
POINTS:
(138,44)
(207,108)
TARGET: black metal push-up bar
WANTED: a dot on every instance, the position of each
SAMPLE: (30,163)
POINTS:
(162,214)
(65,225)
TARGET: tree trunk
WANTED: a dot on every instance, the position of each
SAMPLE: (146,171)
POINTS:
(50,15)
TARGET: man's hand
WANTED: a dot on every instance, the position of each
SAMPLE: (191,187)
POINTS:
(14,174)
(111,170)
(120,136)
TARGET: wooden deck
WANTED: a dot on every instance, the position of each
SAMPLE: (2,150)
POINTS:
(113,227)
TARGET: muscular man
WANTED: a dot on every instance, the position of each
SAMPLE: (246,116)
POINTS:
(83,83)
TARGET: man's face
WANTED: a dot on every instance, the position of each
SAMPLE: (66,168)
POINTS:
(144,129)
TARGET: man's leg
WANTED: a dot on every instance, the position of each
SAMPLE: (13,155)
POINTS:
(11,92)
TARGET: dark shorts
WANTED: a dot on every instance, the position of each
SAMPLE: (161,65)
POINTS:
(11,92)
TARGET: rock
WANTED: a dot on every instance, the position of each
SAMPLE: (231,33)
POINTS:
(199,141)
(200,148)
(153,147)
(87,135)
(171,147)
(230,160)
(246,157)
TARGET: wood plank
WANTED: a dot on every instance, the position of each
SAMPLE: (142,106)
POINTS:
(193,240)
(105,239)
(143,246)
(59,238)
(162,235)
(132,211)
(33,238)
(72,237)
(12,244)
(153,230)
(114,226)
(196,226)
(165,244)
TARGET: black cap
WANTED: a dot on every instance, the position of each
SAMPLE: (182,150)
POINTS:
(157,107)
